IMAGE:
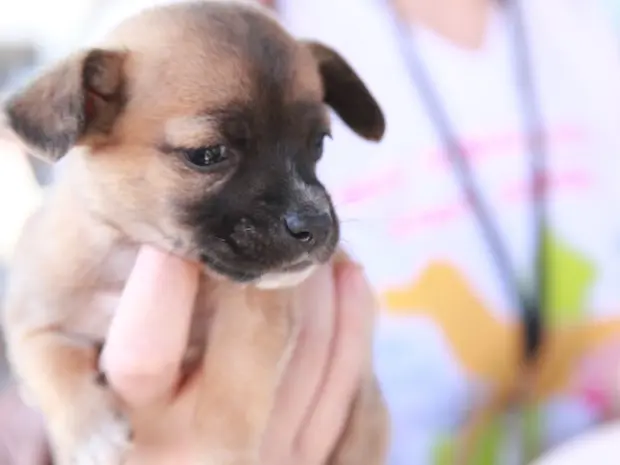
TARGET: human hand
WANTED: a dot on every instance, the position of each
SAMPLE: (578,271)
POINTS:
(146,343)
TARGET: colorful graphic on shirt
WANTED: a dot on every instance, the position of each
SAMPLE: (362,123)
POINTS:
(596,379)
(444,452)
(442,294)
(492,437)
(437,293)
(570,277)
(441,289)
(488,447)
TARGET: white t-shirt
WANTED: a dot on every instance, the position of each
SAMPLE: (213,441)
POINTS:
(448,335)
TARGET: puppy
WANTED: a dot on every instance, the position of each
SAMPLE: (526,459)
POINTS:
(196,128)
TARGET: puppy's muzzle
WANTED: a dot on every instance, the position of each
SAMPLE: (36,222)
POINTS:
(311,236)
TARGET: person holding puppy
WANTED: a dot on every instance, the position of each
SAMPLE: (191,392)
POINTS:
(143,364)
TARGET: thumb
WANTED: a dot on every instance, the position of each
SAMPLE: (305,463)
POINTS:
(149,332)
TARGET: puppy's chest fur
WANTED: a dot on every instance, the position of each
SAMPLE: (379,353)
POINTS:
(104,295)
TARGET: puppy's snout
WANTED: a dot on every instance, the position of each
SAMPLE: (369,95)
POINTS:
(308,227)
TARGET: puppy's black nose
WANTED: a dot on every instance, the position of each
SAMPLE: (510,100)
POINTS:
(308,227)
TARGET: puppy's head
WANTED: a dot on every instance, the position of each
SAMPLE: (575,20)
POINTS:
(197,128)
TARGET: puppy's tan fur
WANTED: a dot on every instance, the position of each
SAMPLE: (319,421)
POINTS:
(113,194)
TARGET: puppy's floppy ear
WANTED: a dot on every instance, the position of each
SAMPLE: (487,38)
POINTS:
(79,96)
(347,94)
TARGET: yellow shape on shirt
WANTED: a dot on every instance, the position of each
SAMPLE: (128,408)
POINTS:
(486,347)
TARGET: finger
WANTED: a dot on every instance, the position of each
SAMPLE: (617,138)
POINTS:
(303,375)
(355,308)
(149,332)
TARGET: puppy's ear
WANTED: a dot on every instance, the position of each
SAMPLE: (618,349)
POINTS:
(347,94)
(79,96)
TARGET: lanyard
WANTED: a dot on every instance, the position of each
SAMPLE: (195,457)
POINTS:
(530,301)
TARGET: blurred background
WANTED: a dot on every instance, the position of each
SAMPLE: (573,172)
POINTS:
(35,33)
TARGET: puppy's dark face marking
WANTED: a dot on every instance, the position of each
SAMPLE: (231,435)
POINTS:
(271,213)
(214,151)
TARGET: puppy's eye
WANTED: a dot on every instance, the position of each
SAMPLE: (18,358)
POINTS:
(205,157)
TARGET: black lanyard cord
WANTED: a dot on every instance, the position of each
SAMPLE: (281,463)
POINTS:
(533,307)
(530,303)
